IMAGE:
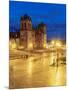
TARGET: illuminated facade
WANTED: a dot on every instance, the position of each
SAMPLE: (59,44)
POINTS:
(40,36)
(30,38)
(26,32)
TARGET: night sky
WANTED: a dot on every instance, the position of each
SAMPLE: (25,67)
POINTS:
(53,15)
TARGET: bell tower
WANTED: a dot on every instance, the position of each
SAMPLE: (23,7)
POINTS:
(41,36)
(26,39)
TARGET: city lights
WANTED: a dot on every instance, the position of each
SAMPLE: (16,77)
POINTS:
(44,45)
(30,45)
(56,43)
(20,47)
(12,45)
(52,42)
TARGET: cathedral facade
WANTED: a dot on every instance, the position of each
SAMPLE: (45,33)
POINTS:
(29,38)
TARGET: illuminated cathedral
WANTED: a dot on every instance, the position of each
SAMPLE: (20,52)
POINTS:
(30,38)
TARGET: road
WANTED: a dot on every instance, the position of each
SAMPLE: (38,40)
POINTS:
(35,70)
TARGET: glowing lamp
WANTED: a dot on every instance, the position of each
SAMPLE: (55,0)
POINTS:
(13,46)
(44,45)
(30,45)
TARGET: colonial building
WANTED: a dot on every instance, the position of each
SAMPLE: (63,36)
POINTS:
(30,38)
(26,33)
(40,36)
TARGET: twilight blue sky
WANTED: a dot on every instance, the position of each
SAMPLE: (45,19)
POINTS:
(54,15)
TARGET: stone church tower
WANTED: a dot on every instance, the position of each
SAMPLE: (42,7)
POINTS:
(26,32)
(40,36)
